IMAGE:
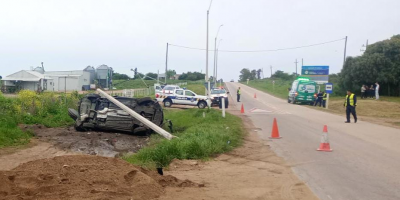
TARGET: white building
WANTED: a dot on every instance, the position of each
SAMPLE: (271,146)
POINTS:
(57,81)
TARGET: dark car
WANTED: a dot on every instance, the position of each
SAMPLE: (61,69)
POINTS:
(97,113)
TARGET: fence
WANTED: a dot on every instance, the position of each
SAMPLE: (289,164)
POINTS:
(137,92)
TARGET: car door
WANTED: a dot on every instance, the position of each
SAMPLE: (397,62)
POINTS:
(190,97)
(179,97)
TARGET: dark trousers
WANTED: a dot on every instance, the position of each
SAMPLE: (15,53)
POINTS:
(238,97)
(318,101)
(363,95)
(352,110)
(324,103)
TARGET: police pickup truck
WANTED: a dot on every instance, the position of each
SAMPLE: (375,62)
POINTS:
(182,97)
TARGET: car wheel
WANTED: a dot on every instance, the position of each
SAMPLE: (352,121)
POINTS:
(288,100)
(294,101)
(226,103)
(167,103)
(202,104)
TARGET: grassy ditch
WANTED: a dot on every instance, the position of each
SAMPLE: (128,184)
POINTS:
(199,138)
(48,109)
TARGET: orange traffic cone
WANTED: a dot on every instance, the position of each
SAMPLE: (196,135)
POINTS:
(255,95)
(242,110)
(325,146)
(275,131)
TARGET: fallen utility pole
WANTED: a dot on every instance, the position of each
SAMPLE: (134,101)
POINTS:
(137,116)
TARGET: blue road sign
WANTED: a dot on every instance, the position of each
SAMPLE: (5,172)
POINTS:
(329,88)
(316,73)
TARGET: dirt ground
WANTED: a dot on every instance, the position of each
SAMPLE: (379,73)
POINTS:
(84,177)
(252,171)
(380,112)
(108,144)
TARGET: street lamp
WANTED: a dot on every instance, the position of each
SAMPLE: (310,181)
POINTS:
(215,50)
(216,62)
(206,78)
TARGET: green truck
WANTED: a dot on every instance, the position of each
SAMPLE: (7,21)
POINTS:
(302,91)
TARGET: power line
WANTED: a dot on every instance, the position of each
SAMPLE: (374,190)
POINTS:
(257,51)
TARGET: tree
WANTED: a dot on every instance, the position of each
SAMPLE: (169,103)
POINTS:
(244,75)
(279,74)
(118,76)
(151,76)
(379,63)
(170,73)
(259,74)
(192,76)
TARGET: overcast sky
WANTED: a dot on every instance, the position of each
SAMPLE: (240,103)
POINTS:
(70,35)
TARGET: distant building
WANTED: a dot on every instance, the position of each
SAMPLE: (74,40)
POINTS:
(57,81)
(175,77)
(104,76)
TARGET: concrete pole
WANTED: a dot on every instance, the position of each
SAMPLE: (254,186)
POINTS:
(223,106)
(327,101)
(137,116)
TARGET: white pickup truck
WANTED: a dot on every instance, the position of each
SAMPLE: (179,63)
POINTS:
(182,97)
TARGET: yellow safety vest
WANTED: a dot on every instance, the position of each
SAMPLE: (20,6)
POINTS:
(351,100)
(238,91)
(324,97)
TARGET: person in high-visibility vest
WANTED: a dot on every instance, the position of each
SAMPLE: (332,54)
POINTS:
(350,104)
(238,94)
(324,96)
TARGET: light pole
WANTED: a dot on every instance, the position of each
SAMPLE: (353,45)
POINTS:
(215,51)
(207,78)
(216,62)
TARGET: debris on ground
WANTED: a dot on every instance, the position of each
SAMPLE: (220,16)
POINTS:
(84,177)
(108,144)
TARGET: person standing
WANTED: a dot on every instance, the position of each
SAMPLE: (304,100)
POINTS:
(372,91)
(363,91)
(350,104)
(319,99)
(324,97)
(238,94)
(377,91)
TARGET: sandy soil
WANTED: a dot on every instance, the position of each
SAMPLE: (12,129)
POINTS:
(84,177)
(252,171)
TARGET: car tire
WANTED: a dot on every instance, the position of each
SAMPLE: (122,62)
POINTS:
(288,100)
(226,103)
(167,103)
(202,104)
(294,101)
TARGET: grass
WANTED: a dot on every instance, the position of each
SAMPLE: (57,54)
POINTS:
(279,89)
(199,138)
(48,109)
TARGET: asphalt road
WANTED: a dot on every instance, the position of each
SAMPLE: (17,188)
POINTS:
(364,164)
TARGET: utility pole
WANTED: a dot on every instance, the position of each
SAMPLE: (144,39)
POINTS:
(271,70)
(215,55)
(302,63)
(166,65)
(296,66)
(345,47)
(207,78)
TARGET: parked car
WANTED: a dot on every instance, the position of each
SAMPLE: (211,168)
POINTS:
(182,97)
(169,89)
(216,94)
(232,80)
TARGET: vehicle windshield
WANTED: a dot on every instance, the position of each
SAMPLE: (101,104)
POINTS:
(307,88)
(218,91)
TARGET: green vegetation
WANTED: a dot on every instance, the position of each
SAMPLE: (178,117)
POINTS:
(379,63)
(280,89)
(199,138)
(48,109)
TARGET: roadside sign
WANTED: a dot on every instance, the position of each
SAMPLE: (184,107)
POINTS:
(329,88)
(319,74)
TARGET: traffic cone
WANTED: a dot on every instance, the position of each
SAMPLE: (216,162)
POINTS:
(325,146)
(255,95)
(242,110)
(275,131)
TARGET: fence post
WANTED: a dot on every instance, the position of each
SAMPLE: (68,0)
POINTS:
(223,106)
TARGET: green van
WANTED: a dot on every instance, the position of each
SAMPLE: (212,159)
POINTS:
(302,91)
